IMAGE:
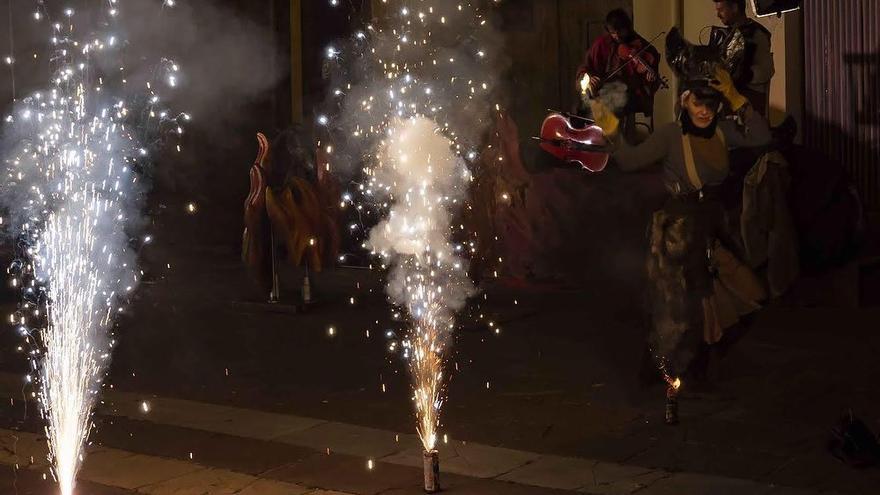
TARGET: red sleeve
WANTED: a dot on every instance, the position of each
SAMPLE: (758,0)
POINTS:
(597,57)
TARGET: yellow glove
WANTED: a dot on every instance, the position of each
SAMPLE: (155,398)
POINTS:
(604,118)
(723,83)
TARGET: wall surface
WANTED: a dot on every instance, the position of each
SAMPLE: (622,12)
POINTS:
(843,95)
(652,17)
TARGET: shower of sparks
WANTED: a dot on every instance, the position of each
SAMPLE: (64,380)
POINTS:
(426,277)
(426,366)
(75,352)
(72,189)
(413,99)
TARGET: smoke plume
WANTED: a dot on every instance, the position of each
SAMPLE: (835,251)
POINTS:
(424,178)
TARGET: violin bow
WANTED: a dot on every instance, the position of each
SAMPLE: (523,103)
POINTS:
(572,116)
(592,148)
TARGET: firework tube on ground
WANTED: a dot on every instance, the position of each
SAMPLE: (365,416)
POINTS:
(432,471)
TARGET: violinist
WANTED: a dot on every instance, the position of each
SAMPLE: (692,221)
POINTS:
(623,55)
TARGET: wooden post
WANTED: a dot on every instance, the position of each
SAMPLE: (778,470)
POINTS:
(296,61)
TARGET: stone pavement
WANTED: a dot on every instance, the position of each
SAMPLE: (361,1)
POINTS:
(162,446)
(36,482)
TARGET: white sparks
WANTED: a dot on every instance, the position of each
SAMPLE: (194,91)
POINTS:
(73,185)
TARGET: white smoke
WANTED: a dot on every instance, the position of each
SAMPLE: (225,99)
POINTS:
(612,94)
(443,61)
(423,178)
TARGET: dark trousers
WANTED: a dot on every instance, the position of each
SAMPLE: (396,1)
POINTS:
(679,276)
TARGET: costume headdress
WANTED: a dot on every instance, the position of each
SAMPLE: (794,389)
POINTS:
(694,65)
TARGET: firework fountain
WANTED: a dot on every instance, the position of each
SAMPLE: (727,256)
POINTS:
(414,95)
(427,278)
(73,158)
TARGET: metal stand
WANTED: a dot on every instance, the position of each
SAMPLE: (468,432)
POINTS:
(275,293)
(274,304)
(307,288)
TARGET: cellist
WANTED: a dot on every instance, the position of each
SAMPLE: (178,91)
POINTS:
(615,51)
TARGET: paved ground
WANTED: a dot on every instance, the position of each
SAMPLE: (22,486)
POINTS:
(183,447)
(556,389)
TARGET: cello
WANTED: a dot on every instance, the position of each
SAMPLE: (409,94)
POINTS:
(586,147)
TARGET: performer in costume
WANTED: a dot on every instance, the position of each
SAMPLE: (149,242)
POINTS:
(615,51)
(745,47)
(698,286)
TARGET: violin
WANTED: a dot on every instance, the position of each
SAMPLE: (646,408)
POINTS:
(628,54)
(637,56)
(643,61)
(586,147)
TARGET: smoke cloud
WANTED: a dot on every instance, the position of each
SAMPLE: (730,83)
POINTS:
(422,177)
(446,66)
(229,57)
(613,95)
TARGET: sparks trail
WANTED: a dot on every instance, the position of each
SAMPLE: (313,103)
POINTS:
(427,339)
(427,182)
(72,190)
